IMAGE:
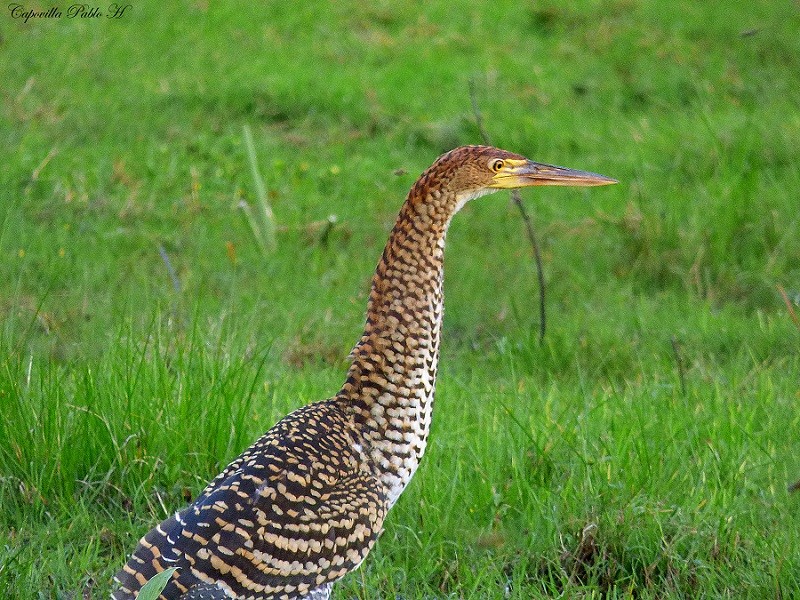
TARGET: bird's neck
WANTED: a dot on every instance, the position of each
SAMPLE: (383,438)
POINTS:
(390,384)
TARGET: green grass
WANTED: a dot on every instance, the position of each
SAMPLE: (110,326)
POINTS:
(149,334)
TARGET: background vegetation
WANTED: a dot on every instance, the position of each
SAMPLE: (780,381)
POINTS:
(149,334)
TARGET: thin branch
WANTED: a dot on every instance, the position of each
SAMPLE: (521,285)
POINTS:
(789,307)
(676,350)
(476,112)
(173,275)
(537,257)
(517,198)
(40,167)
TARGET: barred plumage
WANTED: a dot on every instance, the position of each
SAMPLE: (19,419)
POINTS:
(304,505)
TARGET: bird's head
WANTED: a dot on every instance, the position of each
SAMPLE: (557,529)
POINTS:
(472,171)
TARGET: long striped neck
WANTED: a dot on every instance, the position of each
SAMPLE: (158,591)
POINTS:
(391,381)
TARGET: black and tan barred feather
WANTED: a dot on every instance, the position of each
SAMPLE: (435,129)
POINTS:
(296,511)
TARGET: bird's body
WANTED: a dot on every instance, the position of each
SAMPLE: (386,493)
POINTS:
(304,505)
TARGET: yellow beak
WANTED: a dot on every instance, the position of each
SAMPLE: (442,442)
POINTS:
(516,174)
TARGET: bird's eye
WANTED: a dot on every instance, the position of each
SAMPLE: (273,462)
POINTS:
(496,164)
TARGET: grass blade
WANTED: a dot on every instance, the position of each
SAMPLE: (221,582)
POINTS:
(154,587)
(264,226)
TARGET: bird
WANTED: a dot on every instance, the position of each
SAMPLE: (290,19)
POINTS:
(305,504)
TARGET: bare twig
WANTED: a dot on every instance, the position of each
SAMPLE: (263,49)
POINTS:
(37,171)
(173,275)
(515,196)
(476,112)
(537,257)
(792,315)
(676,350)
